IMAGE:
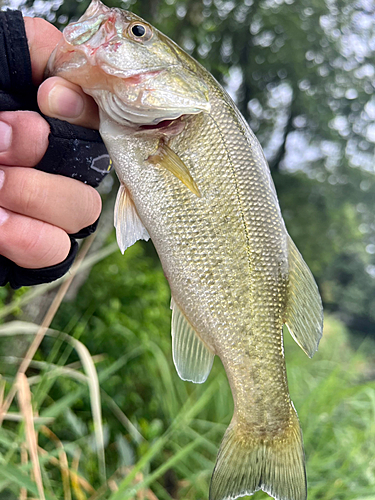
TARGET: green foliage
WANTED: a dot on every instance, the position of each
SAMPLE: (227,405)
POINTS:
(332,245)
(161,433)
(301,72)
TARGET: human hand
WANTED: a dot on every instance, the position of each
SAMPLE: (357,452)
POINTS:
(40,209)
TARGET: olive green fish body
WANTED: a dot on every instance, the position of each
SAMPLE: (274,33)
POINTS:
(224,254)
(194,179)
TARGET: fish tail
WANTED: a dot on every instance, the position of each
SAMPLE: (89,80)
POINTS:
(246,463)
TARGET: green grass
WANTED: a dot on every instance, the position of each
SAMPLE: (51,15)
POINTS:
(115,421)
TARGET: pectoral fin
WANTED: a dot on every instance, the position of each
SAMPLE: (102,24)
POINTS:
(304,313)
(168,159)
(129,227)
(192,359)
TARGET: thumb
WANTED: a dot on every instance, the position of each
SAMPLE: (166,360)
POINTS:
(57,98)
(61,99)
(42,38)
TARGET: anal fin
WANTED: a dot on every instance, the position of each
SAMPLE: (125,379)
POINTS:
(304,311)
(129,227)
(192,359)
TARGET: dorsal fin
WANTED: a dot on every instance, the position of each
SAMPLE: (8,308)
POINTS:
(304,311)
(192,359)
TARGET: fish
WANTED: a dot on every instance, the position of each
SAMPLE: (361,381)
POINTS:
(194,179)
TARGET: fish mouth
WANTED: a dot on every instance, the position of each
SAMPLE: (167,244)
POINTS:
(161,125)
(166,128)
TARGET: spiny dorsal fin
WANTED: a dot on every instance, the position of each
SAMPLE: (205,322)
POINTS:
(304,311)
(129,227)
(165,157)
(192,359)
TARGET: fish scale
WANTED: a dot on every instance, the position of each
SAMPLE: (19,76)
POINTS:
(194,178)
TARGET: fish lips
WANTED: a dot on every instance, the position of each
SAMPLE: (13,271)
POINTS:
(67,63)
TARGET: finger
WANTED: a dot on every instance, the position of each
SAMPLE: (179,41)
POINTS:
(23,138)
(61,201)
(31,243)
(42,38)
(61,99)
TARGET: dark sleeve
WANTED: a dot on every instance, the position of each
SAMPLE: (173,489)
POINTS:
(73,151)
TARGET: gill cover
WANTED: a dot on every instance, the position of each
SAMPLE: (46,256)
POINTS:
(134,72)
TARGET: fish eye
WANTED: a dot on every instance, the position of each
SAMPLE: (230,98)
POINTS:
(140,32)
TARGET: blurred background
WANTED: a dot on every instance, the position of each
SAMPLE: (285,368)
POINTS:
(112,418)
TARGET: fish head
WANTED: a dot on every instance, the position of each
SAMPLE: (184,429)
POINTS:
(137,75)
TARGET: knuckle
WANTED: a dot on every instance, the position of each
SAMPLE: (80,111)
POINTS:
(91,208)
(38,140)
(47,246)
(96,205)
(30,133)
(31,195)
(32,241)
(30,138)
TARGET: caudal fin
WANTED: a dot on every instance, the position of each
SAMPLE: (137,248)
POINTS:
(246,464)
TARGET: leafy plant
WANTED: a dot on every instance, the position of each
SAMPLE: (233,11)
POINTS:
(113,420)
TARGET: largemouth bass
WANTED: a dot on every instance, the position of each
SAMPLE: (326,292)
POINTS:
(194,179)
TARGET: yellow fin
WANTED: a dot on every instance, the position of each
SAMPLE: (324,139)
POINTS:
(247,463)
(304,310)
(168,159)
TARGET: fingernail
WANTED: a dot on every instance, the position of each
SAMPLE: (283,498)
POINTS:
(65,102)
(5,136)
(4,215)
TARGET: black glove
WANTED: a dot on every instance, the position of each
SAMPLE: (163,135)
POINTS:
(73,151)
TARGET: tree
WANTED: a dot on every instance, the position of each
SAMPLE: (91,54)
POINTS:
(301,73)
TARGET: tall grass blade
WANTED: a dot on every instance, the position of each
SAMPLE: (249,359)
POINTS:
(186,414)
(24,399)
(46,323)
(18,479)
(186,450)
(63,462)
(116,410)
(24,459)
(21,327)
(79,493)
(95,401)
